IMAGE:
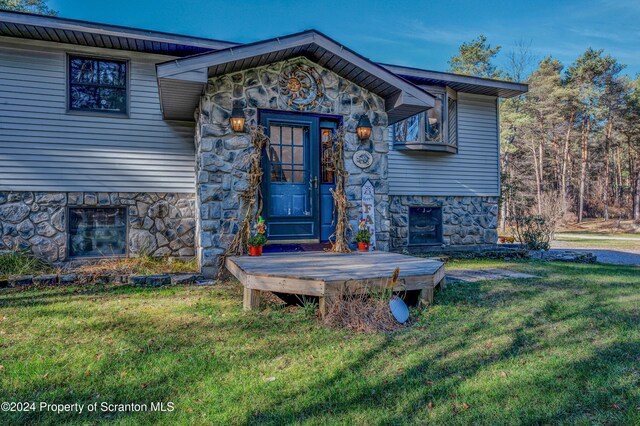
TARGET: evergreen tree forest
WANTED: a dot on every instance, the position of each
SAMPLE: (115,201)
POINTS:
(571,145)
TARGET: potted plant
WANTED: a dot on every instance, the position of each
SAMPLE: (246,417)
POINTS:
(363,236)
(257,241)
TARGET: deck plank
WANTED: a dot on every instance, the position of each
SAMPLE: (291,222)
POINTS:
(325,274)
(331,266)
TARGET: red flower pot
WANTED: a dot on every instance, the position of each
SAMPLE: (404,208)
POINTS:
(363,246)
(255,250)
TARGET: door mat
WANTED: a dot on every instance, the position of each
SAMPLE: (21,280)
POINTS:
(287,248)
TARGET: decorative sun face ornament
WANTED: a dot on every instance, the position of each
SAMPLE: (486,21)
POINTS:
(301,87)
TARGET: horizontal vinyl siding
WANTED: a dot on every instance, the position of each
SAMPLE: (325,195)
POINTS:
(44,148)
(473,171)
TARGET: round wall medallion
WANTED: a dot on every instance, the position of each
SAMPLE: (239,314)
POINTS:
(301,87)
(363,159)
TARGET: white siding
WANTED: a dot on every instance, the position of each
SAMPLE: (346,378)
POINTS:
(44,148)
(473,171)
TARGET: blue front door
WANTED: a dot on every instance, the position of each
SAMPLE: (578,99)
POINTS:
(290,184)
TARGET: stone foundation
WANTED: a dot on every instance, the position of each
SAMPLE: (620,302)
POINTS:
(160,224)
(466,221)
(220,153)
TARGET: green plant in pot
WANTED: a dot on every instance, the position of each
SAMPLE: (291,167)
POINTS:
(363,236)
(259,239)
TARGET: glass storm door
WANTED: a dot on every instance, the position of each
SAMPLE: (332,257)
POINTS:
(327,179)
(290,183)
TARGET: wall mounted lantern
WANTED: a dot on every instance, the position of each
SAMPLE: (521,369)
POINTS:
(364,127)
(237,119)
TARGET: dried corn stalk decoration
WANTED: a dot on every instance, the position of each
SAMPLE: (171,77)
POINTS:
(339,241)
(251,198)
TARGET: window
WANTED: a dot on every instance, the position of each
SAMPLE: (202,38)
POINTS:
(326,159)
(425,225)
(97,231)
(97,85)
(408,130)
(433,122)
(436,129)
(286,154)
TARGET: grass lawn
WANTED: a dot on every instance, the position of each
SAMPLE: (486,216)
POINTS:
(564,348)
(583,241)
(601,234)
(597,243)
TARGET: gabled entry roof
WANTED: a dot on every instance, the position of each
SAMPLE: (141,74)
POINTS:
(182,81)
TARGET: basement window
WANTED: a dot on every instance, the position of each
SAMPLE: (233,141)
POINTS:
(425,226)
(97,231)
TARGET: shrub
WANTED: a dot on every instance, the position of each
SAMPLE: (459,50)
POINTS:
(363,236)
(258,240)
(535,232)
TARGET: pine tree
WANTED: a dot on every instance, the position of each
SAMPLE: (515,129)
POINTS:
(29,6)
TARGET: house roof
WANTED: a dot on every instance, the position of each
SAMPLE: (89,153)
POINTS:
(181,81)
(179,78)
(63,30)
(462,83)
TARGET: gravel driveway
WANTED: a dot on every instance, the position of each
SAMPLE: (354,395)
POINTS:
(614,256)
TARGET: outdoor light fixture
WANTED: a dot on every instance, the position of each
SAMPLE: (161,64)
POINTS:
(237,119)
(364,127)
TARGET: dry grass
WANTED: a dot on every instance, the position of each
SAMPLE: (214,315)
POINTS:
(143,265)
(600,226)
(22,263)
(367,311)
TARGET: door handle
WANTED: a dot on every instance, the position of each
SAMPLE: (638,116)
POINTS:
(314,182)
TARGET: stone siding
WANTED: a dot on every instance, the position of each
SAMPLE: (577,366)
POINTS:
(466,221)
(160,224)
(220,153)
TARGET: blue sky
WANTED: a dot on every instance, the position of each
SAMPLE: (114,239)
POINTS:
(422,34)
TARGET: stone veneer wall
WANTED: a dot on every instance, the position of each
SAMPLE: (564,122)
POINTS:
(161,224)
(466,221)
(222,173)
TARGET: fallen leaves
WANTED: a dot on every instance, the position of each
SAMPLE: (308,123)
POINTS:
(503,374)
(269,379)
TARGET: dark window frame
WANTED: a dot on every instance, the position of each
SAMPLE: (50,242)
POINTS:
(98,112)
(445,141)
(440,234)
(126,233)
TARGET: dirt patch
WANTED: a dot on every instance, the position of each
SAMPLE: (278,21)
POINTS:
(473,275)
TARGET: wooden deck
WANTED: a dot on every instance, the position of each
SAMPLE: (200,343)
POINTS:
(325,274)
